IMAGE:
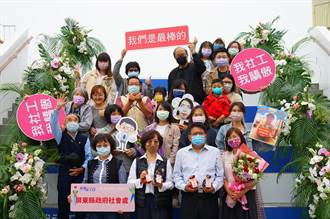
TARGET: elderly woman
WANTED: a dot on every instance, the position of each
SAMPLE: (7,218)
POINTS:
(152,176)
(79,107)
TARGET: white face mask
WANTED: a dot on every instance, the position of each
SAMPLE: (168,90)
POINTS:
(236,116)
(198,119)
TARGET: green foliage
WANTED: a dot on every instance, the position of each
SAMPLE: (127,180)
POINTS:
(29,205)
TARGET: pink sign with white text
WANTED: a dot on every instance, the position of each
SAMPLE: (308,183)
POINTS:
(33,116)
(162,37)
(102,198)
(253,69)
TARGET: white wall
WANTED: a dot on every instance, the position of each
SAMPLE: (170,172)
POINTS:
(111,19)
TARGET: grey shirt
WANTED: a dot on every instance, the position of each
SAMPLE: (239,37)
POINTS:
(122,83)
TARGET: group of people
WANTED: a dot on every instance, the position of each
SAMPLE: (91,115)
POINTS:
(176,161)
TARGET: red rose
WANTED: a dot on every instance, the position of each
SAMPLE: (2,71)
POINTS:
(250,159)
(256,170)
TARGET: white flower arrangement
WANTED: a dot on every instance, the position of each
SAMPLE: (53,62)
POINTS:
(318,175)
(27,171)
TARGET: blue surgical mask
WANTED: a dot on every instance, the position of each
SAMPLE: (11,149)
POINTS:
(72,126)
(133,89)
(178,92)
(220,62)
(198,140)
(103,151)
(133,74)
(217,46)
(217,90)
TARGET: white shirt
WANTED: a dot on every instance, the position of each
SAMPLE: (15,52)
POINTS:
(161,129)
(133,179)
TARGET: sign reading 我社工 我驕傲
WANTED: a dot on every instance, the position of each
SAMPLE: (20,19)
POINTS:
(253,69)
(33,116)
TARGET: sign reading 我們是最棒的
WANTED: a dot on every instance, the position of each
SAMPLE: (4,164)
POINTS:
(152,38)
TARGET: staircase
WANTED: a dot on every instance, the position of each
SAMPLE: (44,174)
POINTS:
(13,62)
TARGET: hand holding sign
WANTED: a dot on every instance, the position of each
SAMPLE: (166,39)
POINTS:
(123,53)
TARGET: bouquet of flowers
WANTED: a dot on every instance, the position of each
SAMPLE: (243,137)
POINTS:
(247,168)
(314,182)
(24,190)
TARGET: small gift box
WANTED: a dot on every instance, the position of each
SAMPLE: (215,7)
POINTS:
(207,182)
(159,178)
(193,181)
(148,178)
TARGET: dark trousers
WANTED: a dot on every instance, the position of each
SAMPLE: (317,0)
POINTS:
(150,210)
(64,190)
(199,206)
(105,215)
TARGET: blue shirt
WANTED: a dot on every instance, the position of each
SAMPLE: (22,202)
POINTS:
(57,132)
(206,162)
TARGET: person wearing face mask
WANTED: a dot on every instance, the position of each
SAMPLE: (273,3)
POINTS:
(217,105)
(234,48)
(112,114)
(168,130)
(221,61)
(218,44)
(132,69)
(151,175)
(235,141)
(198,114)
(193,165)
(159,96)
(205,52)
(74,149)
(135,105)
(191,72)
(237,113)
(229,88)
(80,107)
(178,89)
(104,169)
(102,75)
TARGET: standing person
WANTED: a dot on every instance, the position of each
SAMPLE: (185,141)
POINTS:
(168,130)
(221,61)
(234,48)
(190,72)
(198,173)
(237,113)
(217,105)
(102,75)
(99,125)
(79,107)
(234,140)
(135,105)
(152,176)
(198,114)
(218,44)
(75,151)
(104,169)
(178,89)
(230,89)
(113,113)
(131,69)
(205,52)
